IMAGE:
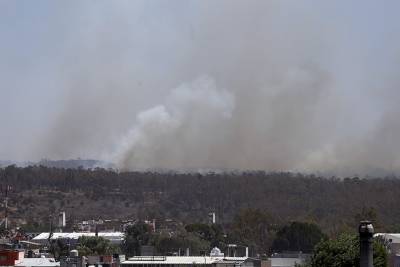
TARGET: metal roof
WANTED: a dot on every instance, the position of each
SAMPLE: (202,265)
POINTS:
(41,262)
(184,260)
(285,262)
(395,237)
(107,235)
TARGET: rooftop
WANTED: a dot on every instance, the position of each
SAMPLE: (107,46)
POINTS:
(393,237)
(73,235)
(41,262)
(185,260)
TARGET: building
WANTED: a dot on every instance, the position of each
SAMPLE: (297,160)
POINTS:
(216,259)
(74,260)
(286,262)
(186,261)
(288,259)
(11,257)
(72,238)
(393,242)
(38,262)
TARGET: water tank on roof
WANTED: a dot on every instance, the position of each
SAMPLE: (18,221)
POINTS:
(74,253)
(216,252)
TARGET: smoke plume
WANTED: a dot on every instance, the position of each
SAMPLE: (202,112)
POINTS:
(182,133)
(271,85)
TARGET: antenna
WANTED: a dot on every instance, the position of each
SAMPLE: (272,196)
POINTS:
(6,207)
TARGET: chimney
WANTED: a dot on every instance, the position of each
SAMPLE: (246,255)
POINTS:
(366,231)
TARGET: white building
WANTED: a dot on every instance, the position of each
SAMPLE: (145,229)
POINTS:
(393,241)
(38,262)
(286,262)
(288,259)
(186,261)
(114,237)
(216,259)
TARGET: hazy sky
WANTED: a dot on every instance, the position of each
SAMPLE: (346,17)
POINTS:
(275,85)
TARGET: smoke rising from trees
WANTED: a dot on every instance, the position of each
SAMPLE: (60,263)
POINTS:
(272,85)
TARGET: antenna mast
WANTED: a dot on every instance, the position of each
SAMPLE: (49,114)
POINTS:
(6,208)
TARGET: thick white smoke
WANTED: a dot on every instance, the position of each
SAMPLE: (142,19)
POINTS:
(200,126)
(178,134)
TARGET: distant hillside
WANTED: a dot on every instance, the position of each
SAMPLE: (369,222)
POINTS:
(5,163)
(333,203)
(67,164)
(74,163)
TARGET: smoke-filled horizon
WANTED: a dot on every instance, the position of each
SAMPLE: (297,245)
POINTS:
(267,85)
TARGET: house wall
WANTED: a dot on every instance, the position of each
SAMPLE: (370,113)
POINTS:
(10,257)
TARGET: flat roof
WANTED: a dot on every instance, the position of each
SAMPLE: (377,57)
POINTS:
(394,236)
(41,262)
(285,262)
(73,235)
(184,260)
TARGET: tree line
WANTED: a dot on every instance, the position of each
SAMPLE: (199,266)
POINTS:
(334,204)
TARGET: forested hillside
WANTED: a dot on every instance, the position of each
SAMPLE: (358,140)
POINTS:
(334,204)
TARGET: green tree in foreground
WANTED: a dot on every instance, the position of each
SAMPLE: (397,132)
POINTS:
(251,227)
(94,245)
(58,248)
(211,233)
(137,235)
(345,252)
(182,240)
(297,236)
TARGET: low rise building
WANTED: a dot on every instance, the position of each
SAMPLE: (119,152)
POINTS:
(115,238)
(392,241)
(10,257)
(186,261)
(288,259)
(74,260)
(38,262)
(215,259)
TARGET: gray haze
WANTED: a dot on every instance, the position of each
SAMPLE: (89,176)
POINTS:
(272,85)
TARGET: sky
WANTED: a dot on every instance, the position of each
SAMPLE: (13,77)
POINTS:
(300,85)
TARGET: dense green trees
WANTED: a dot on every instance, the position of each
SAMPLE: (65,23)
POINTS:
(180,242)
(252,207)
(137,235)
(94,245)
(211,233)
(58,248)
(252,228)
(297,236)
(188,197)
(198,239)
(344,252)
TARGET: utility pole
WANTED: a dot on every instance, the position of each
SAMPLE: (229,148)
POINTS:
(51,229)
